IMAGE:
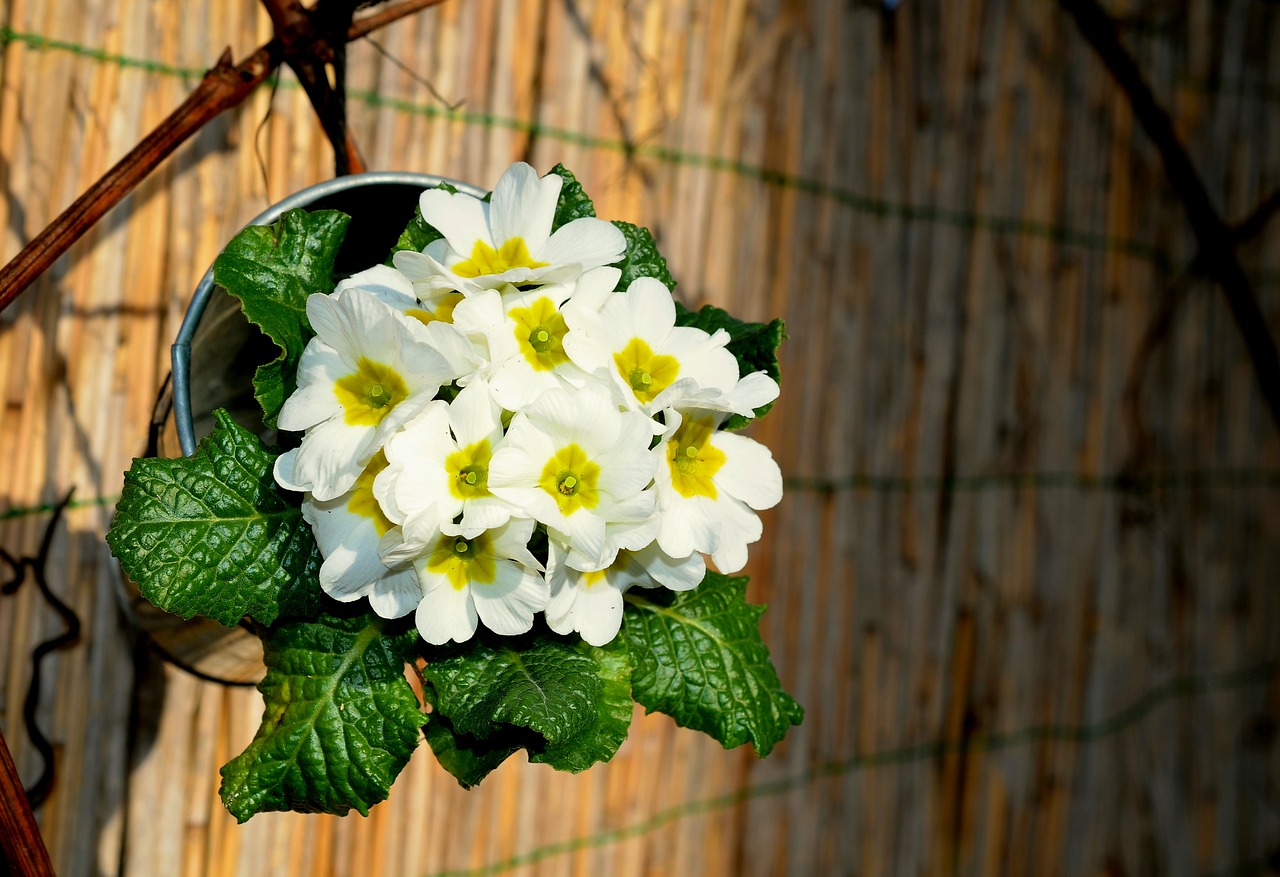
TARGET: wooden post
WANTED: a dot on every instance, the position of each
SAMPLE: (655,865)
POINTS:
(20,842)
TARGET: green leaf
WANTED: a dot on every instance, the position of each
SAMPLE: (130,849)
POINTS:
(699,658)
(417,234)
(466,756)
(272,269)
(606,730)
(573,202)
(567,702)
(212,534)
(642,258)
(340,720)
(755,345)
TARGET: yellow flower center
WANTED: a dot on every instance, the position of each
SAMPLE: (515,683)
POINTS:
(693,459)
(464,561)
(370,392)
(570,478)
(469,470)
(443,310)
(592,578)
(540,331)
(363,502)
(486,260)
(647,373)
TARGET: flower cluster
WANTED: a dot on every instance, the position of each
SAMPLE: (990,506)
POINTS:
(491,429)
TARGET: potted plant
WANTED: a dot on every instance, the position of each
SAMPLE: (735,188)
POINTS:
(492,449)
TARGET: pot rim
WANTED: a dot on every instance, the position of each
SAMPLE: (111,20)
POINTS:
(180,352)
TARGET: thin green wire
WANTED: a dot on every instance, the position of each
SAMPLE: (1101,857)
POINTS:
(1241,479)
(27,511)
(862,203)
(1175,689)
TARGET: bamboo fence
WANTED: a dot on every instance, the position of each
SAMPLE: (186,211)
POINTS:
(1024,579)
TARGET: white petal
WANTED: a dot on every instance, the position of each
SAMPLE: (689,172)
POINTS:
(350,570)
(514,466)
(685,528)
(415,457)
(586,242)
(283,471)
(314,400)
(474,416)
(329,460)
(516,385)
(523,206)
(484,513)
(749,472)
(753,391)
(587,418)
(426,272)
(330,521)
(674,573)
(652,309)
(396,551)
(384,283)
(586,539)
(702,357)
(446,613)
(507,605)
(636,508)
(459,353)
(462,219)
(510,541)
(741,527)
(597,613)
(396,594)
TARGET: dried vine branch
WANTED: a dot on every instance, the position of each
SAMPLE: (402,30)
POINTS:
(314,42)
(22,852)
(226,85)
(1217,240)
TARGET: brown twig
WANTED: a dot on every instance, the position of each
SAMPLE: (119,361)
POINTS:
(24,851)
(313,42)
(223,87)
(1216,239)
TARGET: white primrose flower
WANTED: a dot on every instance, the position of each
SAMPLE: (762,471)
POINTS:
(590,603)
(491,577)
(652,363)
(708,481)
(348,530)
(392,288)
(368,370)
(575,463)
(508,240)
(439,469)
(524,334)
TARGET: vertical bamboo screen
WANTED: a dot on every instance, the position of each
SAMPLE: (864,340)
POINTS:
(1025,576)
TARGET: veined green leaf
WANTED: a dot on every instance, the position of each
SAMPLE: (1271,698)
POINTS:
(567,702)
(699,658)
(340,720)
(212,534)
(641,258)
(573,202)
(272,269)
